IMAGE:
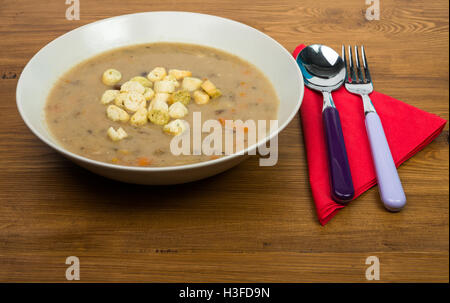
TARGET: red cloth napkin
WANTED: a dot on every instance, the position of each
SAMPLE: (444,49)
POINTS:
(407,128)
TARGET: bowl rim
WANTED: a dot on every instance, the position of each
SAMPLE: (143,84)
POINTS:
(226,158)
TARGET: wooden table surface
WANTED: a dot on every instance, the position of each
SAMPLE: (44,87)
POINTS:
(251,223)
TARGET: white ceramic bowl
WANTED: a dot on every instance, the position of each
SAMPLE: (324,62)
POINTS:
(58,56)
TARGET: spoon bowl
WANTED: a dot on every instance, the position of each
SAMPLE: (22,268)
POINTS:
(322,67)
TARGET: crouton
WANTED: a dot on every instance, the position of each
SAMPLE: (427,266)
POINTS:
(143,81)
(132,86)
(115,113)
(157,74)
(120,99)
(175,127)
(201,97)
(179,74)
(159,97)
(177,110)
(134,101)
(172,79)
(182,96)
(140,117)
(191,84)
(158,112)
(111,77)
(164,87)
(109,96)
(148,94)
(116,135)
(211,89)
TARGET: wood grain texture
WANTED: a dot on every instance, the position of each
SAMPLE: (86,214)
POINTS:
(251,223)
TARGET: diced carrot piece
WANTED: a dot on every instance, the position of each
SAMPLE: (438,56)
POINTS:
(143,161)
(242,94)
(214,157)
(222,121)
(244,128)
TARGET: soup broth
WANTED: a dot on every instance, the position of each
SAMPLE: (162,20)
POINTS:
(77,119)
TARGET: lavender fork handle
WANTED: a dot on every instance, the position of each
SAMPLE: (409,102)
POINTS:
(342,189)
(389,184)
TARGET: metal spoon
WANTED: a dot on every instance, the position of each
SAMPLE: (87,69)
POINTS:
(324,70)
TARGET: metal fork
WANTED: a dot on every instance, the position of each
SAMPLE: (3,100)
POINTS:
(390,186)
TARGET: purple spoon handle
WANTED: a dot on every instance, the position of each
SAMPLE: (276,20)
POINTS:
(342,189)
(389,183)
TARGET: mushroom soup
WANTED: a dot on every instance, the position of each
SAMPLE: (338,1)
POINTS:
(125,106)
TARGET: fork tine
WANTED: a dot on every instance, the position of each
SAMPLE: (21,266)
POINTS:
(366,67)
(350,62)
(345,64)
(358,66)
